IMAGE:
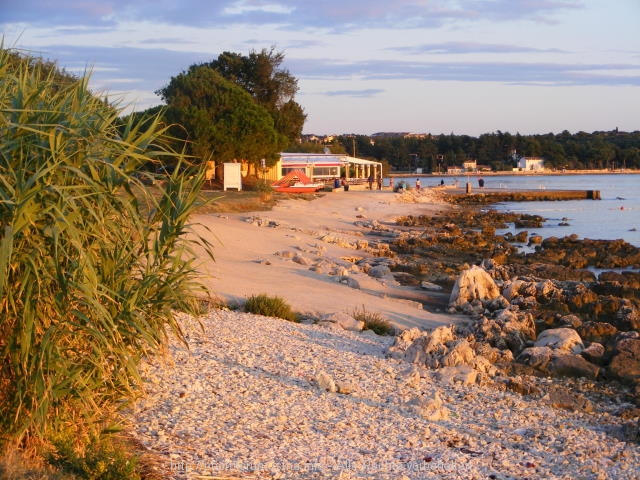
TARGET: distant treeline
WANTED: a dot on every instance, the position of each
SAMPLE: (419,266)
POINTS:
(433,153)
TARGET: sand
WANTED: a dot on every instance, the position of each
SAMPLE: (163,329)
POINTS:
(248,259)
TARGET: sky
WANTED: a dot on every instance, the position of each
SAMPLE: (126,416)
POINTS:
(466,67)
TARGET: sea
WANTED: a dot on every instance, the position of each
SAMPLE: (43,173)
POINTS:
(615,216)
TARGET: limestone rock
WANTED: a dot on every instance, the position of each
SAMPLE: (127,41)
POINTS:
(474,283)
(403,341)
(594,353)
(566,339)
(344,320)
(326,382)
(537,357)
(430,407)
(463,374)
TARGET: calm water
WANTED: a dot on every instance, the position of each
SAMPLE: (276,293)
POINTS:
(616,216)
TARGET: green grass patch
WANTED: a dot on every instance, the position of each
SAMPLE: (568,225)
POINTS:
(270,307)
(373,321)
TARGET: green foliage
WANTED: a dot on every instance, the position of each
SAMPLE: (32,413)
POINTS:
(434,153)
(92,263)
(219,119)
(101,459)
(270,307)
(374,322)
(271,86)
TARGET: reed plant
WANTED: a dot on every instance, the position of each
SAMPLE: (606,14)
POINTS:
(92,265)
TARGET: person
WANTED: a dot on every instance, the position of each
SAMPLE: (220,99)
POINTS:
(481,182)
(370,180)
(417,184)
(379,180)
(442,182)
(336,183)
(345,185)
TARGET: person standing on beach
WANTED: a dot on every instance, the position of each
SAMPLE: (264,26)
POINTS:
(370,180)
(417,184)
(379,180)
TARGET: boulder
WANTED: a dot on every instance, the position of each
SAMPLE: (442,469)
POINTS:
(594,353)
(625,363)
(569,365)
(536,357)
(600,332)
(463,374)
(379,271)
(403,341)
(473,284)
(566,339)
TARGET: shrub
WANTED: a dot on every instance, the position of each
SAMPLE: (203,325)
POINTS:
(270,307)
(374,322)
(92,263)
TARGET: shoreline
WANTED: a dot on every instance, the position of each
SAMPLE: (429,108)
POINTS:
(512,173)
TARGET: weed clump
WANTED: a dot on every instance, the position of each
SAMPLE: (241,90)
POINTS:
(374,322)
(270,307)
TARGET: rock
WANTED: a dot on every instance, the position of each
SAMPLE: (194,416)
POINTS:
(344,320)
(460,353)
(625,363)
(410,376)
(570,365)
(349,282)
(600,332)
(430,407)
(560,398)
(345,388)
(628,316)
(302,260)
(403,341)
(432,287)
(594,353)
(379,271)
(463,374)
(474,283)
(537,357)
(566,339)
(572,321)
(326,382)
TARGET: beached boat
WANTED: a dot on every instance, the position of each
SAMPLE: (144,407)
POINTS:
(296,182)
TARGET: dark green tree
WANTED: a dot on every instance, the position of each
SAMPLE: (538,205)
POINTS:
(271,86)
(219,119)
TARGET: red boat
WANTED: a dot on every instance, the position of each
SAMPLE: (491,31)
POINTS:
(296,182)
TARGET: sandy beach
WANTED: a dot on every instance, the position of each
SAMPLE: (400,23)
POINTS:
(253,255)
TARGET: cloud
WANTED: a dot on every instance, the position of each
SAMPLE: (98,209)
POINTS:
(521,73)
(366,93)
(470,47)
(296,14)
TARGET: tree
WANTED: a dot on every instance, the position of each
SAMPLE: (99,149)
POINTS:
(272,87)
(219,119)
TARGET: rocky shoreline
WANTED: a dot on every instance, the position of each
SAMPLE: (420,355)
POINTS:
(541,381)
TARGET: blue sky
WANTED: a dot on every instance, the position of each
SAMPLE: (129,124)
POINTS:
(437,66)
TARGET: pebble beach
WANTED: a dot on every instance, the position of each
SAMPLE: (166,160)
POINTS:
(258,397)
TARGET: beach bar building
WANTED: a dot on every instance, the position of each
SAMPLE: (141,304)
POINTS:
(323,167)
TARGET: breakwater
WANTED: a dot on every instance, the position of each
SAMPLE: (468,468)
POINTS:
(492,196)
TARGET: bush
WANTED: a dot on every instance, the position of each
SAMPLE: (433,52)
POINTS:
(374,322)
(92,262)
(270,307)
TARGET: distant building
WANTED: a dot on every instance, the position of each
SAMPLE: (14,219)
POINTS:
(455,170)
(531,163)
(469,166)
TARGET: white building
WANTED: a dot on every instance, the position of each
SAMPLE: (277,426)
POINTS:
(531,163)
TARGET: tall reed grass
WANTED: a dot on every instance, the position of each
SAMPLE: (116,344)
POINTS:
(92,265)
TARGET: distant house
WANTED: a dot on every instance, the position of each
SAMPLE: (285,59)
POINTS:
(531,163)
(455,170)
(469,166)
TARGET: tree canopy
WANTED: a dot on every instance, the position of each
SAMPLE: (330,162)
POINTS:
(235,107)
(219,119)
